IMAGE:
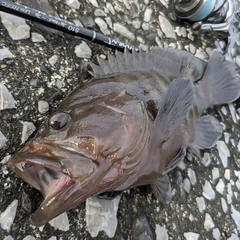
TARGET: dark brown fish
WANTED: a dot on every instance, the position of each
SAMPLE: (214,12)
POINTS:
(129,126)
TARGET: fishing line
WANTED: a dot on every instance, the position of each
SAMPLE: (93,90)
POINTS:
(62,25)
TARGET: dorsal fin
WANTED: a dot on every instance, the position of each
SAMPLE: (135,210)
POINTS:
(173,63)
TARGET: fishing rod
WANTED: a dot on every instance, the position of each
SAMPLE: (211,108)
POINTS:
(62,25)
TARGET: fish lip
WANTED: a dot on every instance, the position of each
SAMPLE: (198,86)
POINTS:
(26,165)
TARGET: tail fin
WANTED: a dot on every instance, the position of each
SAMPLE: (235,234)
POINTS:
(220,83)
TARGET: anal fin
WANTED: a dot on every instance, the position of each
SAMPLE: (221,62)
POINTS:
(208,131)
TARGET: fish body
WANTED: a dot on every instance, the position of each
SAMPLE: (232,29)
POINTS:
(128,126)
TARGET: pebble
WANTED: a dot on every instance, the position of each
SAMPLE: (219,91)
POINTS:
(7,217)
(233,112)
(192,176)
(201,204)
(147,15)
(224,205)
(220,186)
(9,237)
(236,217)
(224,110)
(99,13)
(16,26)
(29,237)
(5,53)
(36,37)
(215,173)
(102,25)
(216,234)
(53,60)
(83,50)
(161,233)
(206,159)
(223,152)
(94,3)
(208,222)
(110,8)
(208,192)
(166,27)
(43,106)
(191,236)
(227,174)
(186,185)
(60,222)
(233,236)
(101,215)
(136,23)
(122,30)
(3,140)
(28,129)
(6,99)
(73,3)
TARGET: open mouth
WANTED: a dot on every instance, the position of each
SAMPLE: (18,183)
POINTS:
(43,173)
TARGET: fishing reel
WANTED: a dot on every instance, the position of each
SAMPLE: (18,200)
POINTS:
(213,15)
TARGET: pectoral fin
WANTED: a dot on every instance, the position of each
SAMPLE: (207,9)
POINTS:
(175,161)
(175,105)
(162,189)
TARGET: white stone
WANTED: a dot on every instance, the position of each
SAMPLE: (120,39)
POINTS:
(73,3)
(161,232)
(7,217)
(201,204)
(16,26)
(224,205)
(215,173)
(220,186)
(233,112)
(147,15)
(102,25)
(5,53)
(3,140)
(226,137)
(206,160)
(224,110)
(94,3)
(60,222)
(122,30)
(6,99)
(229,190)
(223,152)
(192,176)
(236,217)
(186,185)
(52,60)
(36,37)
(110,8)
(208,192)
(29,237)
(191,236)
(136,23)
(166,27)
(28,129)
(99,13)
(53,238)
(101,215)
(43,106)
(83,50)
(9,237)
(208,222)
(234,236)
(216,234)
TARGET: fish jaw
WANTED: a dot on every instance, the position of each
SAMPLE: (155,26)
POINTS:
(61,191)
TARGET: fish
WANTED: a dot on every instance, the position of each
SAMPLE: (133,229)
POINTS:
(128,126)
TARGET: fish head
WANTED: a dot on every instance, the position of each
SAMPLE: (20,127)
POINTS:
(77,155)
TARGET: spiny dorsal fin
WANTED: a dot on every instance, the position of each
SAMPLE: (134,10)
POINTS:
(173,63)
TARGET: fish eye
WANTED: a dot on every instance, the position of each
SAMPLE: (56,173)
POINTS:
(59,120)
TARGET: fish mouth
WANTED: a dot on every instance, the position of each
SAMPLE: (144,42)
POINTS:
(53,179)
